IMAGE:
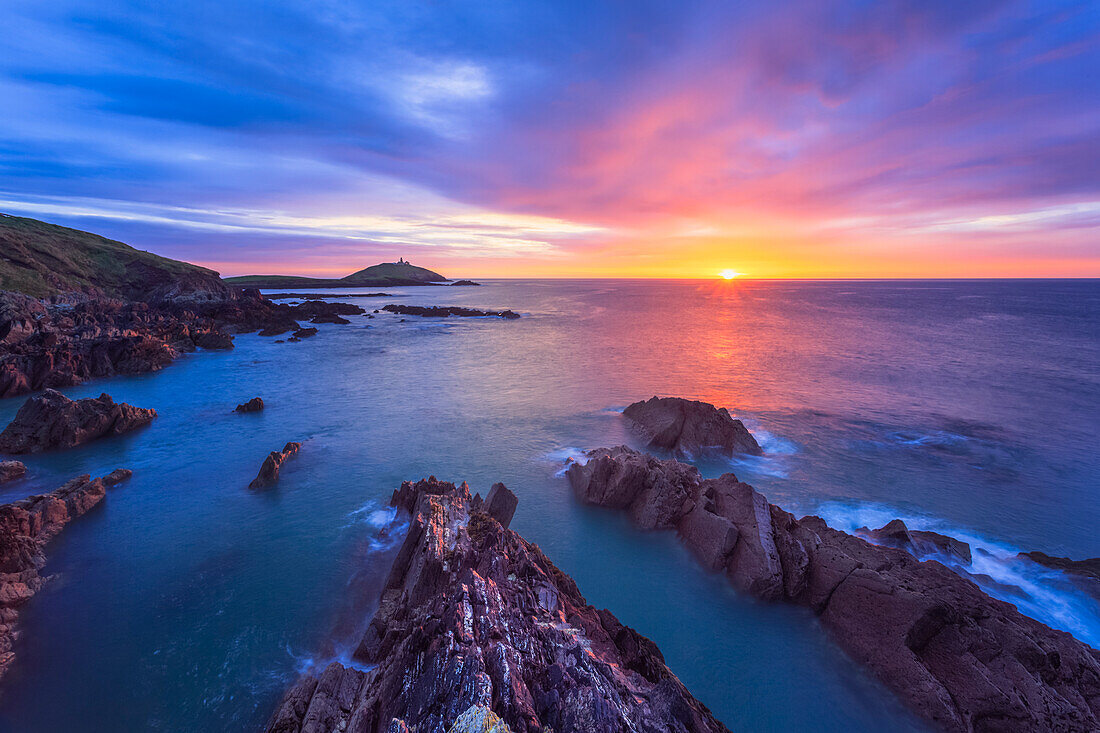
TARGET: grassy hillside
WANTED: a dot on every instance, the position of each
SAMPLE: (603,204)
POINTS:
(43,259)
(387,273)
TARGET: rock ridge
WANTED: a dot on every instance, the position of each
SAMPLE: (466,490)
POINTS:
(959,658)
(477,630)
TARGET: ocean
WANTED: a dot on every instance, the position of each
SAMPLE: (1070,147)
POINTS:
(188,602)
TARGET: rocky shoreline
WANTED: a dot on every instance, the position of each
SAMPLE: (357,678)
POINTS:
(26,526)
(959,658)
(62,341)
(477,630)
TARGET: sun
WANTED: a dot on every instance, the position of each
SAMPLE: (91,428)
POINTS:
(729,274)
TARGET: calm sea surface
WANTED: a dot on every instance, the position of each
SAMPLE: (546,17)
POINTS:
(188,603)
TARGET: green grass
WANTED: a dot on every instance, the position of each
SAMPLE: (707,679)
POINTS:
(42,259)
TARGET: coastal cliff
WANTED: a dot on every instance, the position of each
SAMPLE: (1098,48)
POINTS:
(961,659)
(477,630)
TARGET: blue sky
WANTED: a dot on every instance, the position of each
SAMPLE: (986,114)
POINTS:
(779,138)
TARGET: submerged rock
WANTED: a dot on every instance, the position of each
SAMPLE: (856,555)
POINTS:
(477,630)
(25,528)
(444,311)
(253,405)
(11,470)
(51,420)
(269,470)
(687,427)
(962,659)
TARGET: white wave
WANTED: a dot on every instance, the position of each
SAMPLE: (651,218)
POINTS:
(567,455)
(759,465)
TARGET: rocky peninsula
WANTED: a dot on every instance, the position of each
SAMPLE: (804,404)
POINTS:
(446,311)
(477,630)
(959,658)
(26,526)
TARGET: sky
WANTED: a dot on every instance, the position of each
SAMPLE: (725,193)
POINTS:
(774,138)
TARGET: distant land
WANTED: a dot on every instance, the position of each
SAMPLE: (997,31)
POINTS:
(40,260)
(387,273)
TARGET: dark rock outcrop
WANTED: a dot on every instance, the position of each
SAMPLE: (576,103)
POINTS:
(476,630)
(445,311)
(304,333)
(25,528)
(317,296)
(1089,568)
(460,283)
(686,427)
(269,469)
(961,659)
(51,420)
(11,470)
(330,318)
(500,504)
(917,542)
(253,405)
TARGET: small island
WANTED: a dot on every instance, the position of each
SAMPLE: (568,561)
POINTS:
(401,272)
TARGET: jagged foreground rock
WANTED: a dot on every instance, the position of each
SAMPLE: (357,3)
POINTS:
(25,528)
(51,420)
(959,658)
(474,618)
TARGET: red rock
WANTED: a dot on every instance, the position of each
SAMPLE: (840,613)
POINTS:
(25,528)
(51,420)
(269,470)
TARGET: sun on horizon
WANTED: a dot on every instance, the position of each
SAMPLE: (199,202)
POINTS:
(730,274)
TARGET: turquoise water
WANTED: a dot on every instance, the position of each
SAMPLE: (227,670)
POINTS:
(188,602)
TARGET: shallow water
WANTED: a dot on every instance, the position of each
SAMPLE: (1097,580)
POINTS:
(187,602)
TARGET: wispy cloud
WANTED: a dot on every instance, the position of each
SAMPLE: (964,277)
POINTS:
(830,134)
